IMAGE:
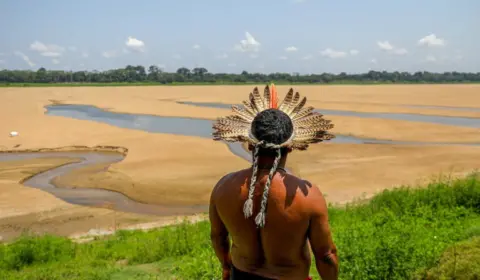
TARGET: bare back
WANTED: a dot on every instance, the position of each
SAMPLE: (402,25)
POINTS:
(280,249)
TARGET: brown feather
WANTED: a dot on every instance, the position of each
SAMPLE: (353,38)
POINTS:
(299,146)
(254,104)
(303,113)
(311,120)
(286,101)
(237,118)
(248,107)
(266,96)
(297,108)
(231,134)
(243,113)
(292,104)
(258,99)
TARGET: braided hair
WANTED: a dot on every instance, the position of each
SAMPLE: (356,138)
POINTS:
(271,127)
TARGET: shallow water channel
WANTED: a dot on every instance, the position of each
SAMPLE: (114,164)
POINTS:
(169,125)
(445,120)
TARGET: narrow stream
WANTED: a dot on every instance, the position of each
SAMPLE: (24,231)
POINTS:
(93,197)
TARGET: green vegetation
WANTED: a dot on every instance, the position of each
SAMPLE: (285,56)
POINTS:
(406,233)
(138,75)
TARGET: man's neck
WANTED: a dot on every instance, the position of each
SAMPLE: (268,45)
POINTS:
(267,162)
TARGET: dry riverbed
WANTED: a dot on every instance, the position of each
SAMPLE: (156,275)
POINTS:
(174,169)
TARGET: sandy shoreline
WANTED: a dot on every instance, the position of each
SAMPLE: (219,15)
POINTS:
(181,170)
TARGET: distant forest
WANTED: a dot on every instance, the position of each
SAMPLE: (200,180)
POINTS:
(200,75)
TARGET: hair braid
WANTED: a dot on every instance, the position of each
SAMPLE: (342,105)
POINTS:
(260,219)
(248,206)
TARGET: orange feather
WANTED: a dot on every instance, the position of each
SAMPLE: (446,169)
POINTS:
(273,97)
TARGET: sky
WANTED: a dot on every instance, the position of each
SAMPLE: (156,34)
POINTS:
(265,36)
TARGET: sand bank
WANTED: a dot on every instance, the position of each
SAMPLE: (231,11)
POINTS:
(174,169)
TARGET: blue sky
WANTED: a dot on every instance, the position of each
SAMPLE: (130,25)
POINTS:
(306,36)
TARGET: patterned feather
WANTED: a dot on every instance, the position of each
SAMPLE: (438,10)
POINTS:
(303,113)
(267,96)
(221,127)
(310,126)
(312,136)
(258,99)
(253,103)
(292,104)
(237,118)
(299,146)
(230,134)
(312,121)
(243,113)
(248,107)
(286,101)
(298,107)
(226,124)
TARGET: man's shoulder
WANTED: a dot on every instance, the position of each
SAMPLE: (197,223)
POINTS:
(225,179)
(312,192)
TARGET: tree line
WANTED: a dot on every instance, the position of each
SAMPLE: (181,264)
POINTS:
(138,74)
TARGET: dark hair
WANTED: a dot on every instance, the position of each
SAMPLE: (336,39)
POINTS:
(272,126)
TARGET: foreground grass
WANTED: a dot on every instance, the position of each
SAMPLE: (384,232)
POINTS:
(422,233)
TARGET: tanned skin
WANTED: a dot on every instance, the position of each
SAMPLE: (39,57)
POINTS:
(296,216)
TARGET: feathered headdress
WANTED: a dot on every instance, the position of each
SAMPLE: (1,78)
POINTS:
(308,127)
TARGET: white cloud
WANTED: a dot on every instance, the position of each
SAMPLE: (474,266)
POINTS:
(250,44)
(283,57)
(177,56)
(373,61)
(2,61)
(386,46)
(431,58)
(2,54)
(291,49)
(48,50)
(196,46)
(307,57)
(84,54)
(222,56)
(110,54)
(253,55)
(72,49)
(354,52)
(135,44)
(25,58)
(400,51)
(333,53)
(55,61)
(232,64)
(431,41)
